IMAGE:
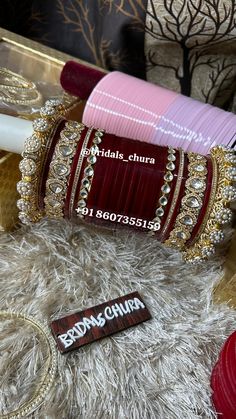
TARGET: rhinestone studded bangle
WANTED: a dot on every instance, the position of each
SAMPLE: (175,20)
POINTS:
(176,194)
(89,172)
(78,171)
(59,171)
(220,214)
(165,189)
(191,203)
(33,154)
(49,367)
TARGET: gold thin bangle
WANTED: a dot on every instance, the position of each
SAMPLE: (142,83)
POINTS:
(78,170)
(165,190)
(176,193)
(50,367)
(16,93)
(88,174)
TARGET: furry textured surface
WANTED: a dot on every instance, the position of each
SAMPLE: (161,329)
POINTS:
(160,369)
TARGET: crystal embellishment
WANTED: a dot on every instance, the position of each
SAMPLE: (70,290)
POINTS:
(70,135)
(56,188)
(73,125)
(24,188)
(92,159)
(23,205)
(163,201)
(65,150)
(54,102)
(48,111)
(170,166)
(168,177)
(27,167)
(187,220)
(217,236)
(85,183)
(60,169)
(165,188)
(81,203)
(231,173)
(160,212)
(199,167)
(192,202)
(229,193)
(224,216)
(41,125)
(197,183)
(32,144)
(84,193)
(89,171)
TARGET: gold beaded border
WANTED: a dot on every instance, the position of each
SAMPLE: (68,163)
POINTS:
(176,193)
(33,156)
(56,184)
(220,213)
(188,215)
(50,367)
(78,170)
(165,190)
(88,174)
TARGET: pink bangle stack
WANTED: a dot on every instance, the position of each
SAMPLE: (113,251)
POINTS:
(133,108)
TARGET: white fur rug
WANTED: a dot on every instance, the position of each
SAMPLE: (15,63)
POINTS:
(157,370)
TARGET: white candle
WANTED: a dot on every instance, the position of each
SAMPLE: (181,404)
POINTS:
(13,133)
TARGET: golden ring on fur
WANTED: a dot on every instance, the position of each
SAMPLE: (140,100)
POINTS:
(49,366)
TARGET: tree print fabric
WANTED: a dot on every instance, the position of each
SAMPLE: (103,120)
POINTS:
(108,33)
(190,47)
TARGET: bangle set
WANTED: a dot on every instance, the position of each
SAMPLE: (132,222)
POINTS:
(191,202)
(59,171)
(33,158)
(67,166)
(47,378)
(166,188)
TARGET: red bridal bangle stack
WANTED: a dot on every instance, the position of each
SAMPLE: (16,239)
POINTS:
(182,199)
(223,381)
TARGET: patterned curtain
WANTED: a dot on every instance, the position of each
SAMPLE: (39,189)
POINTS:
(109,33)
(190,47)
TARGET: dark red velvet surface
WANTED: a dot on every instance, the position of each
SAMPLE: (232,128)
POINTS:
(79,80)
(127,187)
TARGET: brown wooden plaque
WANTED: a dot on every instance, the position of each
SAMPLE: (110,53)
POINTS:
(78,329)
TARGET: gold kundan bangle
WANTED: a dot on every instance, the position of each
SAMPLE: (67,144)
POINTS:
(88,174)
(194,187)
(176,193)
(33,154)
(165,190)
(220,214)
(212,197)
(49,367)
(59,171)
(78,170)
